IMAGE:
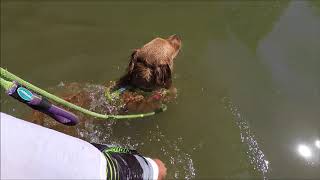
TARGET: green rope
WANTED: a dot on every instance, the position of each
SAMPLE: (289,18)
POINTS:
(12,77)
(5,84)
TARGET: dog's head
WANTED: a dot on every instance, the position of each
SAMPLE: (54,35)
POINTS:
(159,51)
(151,66)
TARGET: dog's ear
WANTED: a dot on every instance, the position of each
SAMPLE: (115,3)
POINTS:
(124,80)
(163,75)
(134,53)
(133,60)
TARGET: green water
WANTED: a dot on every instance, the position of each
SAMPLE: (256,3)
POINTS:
(248,78)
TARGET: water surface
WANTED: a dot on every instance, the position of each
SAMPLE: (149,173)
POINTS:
(248,78)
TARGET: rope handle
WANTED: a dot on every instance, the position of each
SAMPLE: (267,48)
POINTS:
(39,103)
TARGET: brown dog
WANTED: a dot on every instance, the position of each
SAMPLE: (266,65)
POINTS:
(151,66)
(150,70)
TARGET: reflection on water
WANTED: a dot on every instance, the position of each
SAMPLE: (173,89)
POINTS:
(260,16)
(304,151)
(309,152)
(317,144)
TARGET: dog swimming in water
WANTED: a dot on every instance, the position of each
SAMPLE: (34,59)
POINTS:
(148,79)
(144,87)
(151,66)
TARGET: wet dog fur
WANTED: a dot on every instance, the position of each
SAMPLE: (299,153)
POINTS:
(150,69)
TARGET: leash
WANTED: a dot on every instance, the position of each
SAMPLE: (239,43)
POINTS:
(39,103)
(59,114)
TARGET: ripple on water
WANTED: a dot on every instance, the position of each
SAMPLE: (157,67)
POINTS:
(254,153)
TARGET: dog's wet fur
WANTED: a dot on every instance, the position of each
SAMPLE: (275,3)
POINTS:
(151,66)
(150,70)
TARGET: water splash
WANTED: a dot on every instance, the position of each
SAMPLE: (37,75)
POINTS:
(254,153)
(98,100)
(179,163)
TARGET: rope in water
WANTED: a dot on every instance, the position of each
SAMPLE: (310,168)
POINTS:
(6,85)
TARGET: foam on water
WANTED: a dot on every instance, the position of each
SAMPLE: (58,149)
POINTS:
(254,153)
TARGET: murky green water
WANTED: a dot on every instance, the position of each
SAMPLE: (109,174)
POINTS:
(248,78)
